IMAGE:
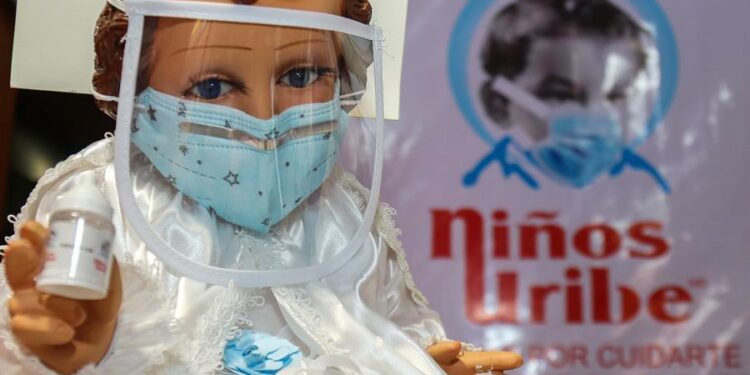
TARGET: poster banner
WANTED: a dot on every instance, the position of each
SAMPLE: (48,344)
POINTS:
(571,180)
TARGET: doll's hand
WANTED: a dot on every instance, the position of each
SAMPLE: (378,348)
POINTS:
(65,334)
(454,361)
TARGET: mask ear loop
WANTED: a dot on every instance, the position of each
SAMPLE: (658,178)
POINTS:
(355,101)
(360,92)
(108,98)
(105,98)
(522,97)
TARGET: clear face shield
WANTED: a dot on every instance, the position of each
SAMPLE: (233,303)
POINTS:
(246,137)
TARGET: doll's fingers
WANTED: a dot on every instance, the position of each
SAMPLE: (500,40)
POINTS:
(490,361)
(25,302)
(106,309)
(506,360)
(34,330)
(66,309)
(35,233)
(22,263)
(445,353)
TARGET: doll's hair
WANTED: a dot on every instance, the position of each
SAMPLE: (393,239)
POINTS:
(516,27)
(109,46)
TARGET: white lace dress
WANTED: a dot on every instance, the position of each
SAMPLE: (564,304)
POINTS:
(369,312)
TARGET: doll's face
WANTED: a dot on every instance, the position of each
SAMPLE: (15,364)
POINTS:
(261,70)
(593,72)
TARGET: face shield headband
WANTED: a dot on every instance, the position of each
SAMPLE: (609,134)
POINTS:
(137,11)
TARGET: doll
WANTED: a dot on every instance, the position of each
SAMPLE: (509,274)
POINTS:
(367,317)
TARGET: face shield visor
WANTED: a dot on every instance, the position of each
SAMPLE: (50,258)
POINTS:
(241,133)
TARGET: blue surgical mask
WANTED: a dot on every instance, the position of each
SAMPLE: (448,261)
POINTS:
(582,142)
(581,145)
(249,171)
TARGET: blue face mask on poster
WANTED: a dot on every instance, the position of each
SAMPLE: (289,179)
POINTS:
(580,146)
(249,171)
(581,143)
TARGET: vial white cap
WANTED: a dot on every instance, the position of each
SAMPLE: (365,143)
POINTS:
(84,196)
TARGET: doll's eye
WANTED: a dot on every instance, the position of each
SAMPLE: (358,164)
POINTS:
(300,77)
(211,88)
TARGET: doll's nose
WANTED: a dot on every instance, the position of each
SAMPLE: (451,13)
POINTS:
(260,103)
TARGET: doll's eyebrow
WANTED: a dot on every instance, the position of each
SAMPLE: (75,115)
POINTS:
(554,81)
(243,48)
(304,41)
(225,46)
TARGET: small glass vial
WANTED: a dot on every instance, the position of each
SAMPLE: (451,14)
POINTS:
(78,258)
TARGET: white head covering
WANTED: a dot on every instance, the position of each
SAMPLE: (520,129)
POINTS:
(119,4)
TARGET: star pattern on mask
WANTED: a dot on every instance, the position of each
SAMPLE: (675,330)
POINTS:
(211,211)
(172,180)
(272,134)
(232,178)
(134,127)
(181,109)
(183,149)
(151,113)
(267,221)
(227,124)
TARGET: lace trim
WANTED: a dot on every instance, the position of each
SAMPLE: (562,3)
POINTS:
(270,254)
(302,310)
(265,254)
(352,186)
(226,318)
(95,155)
(471,347)
(386,227)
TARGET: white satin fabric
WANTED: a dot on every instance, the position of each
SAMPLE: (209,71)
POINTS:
(368,313)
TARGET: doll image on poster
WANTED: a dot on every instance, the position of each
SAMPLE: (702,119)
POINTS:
(244,181)
(575,83)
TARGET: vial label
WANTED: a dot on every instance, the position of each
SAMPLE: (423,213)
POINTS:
(77,251)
